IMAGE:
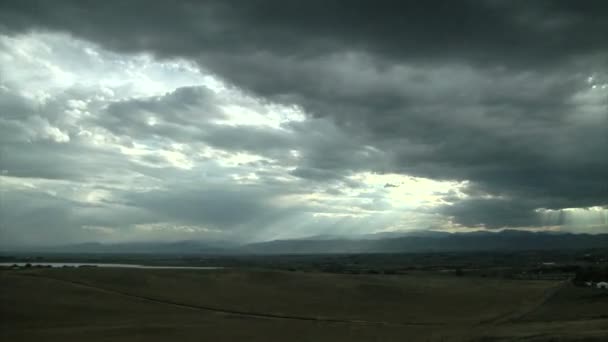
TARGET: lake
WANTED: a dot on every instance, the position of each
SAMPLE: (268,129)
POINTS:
(92,264)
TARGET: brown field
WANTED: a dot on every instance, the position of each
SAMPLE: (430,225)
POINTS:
(103,304)
(573,303)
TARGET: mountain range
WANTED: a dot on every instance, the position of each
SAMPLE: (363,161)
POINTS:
(397,242)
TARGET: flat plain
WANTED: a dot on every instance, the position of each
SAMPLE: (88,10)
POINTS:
(111,304)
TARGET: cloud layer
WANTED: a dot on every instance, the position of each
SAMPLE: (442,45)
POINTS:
(268,119)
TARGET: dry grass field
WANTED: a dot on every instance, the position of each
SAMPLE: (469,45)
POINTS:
(103,304)
(573,303)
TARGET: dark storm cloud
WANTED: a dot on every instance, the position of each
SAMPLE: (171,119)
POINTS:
(493,92)
(180,115)
(493,213)
(478,30)
(183,107)
(325,151)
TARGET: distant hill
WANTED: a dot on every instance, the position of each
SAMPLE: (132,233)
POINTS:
(407,242)
(434,242)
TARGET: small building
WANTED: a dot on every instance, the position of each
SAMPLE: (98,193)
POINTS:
(602,285)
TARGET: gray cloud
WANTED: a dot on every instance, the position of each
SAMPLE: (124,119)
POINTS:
(508,96)
(470,30)
(182,108)
(493,213)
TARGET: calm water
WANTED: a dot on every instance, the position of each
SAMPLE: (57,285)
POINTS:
(76,264)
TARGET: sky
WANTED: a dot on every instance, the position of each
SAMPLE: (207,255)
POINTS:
(258,120)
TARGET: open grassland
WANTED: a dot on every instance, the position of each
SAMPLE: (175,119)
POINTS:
(378,298)
(98,304)
(573,303)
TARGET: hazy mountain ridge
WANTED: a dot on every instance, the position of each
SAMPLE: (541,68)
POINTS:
(440,242)
(421,241)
